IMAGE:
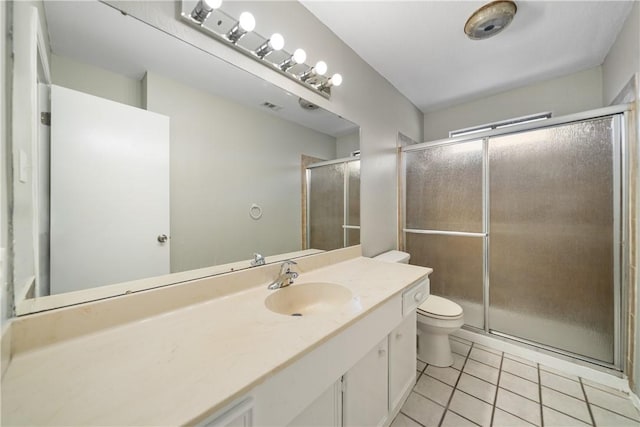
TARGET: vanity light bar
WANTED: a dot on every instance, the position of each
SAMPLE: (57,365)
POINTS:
(314,77)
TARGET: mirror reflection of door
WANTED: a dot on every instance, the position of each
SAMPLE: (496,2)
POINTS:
(109,192)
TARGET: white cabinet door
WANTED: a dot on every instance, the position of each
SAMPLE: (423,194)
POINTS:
(366,386)
(402,360)
(325,411)
(238,415)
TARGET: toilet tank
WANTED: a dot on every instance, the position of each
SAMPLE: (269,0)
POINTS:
(394,256)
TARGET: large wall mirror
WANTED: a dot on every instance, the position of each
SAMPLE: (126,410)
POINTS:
(163,161)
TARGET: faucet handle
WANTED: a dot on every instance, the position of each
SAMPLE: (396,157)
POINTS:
(286,265)
(258,259)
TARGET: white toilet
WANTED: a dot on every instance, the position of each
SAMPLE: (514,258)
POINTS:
(437,318)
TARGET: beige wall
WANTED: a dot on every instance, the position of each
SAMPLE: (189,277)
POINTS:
(225,157)
(365,98)
(95,81)
(346,144)
(564,95)
(623,59)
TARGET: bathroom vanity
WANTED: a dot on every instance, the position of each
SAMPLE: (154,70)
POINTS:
(210,352)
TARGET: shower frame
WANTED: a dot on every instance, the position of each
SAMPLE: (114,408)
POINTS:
(345,214)
(621,237)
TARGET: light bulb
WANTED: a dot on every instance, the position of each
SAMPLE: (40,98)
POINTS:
(336,80)
(299,56)
(213,4)
(247,21)
(320,68)
(276,41)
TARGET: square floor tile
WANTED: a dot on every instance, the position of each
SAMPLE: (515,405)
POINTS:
(458,361)
(485,357)
(435,390)
(451,419)
(520,359)
(482,371)
(611,402)
(520,386)
(402,420)
(477,388)
(557,372)
(420,365)
(563,384)
(505,419)
(471,408)
(604,418)
(520,369)
(553,418)
(566,404)
(460,348)
(446,375)
(422,410)
(518,405)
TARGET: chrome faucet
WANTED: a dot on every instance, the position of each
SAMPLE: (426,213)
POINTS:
(257,260)
(286,276)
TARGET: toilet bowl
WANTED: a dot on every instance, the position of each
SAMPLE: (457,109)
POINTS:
(437,318)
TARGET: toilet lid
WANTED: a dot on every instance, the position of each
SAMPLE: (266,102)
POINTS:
(440,307)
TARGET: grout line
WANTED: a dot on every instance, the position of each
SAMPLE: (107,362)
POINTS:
(612,411)
(523,378)
(495,396)
(486,364)
(565,414)
(462,416)
(615,393)
(562,392)
(439,380)
(455,387)
(520,395)
(586,399)
(517,416)
(412,419)
(540,394)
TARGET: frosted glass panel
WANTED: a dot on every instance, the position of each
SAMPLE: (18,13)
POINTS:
(444,188)
(551,235)
(326,207)
(457,269)
(353,236)
(353,209)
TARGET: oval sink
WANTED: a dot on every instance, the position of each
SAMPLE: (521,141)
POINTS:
(307,298)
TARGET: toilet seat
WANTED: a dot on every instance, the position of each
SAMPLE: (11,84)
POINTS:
(440,308)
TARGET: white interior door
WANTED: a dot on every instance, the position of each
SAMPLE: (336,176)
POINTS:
(109,192)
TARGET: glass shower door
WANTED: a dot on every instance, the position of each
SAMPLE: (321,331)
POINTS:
(444,221)
(553,231)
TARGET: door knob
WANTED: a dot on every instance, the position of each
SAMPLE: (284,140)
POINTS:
(162,238)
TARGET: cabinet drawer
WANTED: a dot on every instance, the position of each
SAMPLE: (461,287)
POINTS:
(414,296)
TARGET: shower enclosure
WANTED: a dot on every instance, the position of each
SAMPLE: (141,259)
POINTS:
(333,204)
(523,227)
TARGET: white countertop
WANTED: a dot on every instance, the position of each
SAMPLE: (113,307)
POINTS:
(176,367)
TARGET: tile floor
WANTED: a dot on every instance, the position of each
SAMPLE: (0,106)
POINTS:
(486,387)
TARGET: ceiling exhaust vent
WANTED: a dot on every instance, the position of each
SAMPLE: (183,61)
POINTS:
(490,19)
(306,105)
(270,106)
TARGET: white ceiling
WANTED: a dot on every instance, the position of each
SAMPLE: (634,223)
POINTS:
(420,46)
